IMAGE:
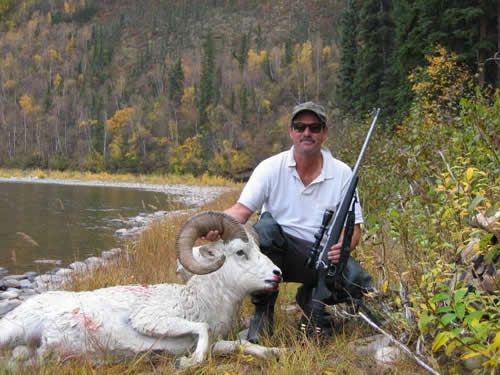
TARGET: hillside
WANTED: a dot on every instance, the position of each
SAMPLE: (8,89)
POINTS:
(125,85)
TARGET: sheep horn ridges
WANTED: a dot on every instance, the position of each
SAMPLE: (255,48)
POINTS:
(198,226)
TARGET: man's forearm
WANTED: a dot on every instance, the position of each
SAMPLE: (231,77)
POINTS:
(239,212)
(356,236)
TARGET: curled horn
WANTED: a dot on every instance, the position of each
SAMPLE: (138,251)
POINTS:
(198,226)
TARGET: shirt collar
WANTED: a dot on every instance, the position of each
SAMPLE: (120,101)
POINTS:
(328,169)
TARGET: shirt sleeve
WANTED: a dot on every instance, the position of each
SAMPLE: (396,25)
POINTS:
(358,211)
(255,192)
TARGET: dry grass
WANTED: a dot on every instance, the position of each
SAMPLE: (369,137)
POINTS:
(152,260)
(204,179)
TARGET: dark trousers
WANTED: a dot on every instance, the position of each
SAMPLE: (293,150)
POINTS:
(290,255)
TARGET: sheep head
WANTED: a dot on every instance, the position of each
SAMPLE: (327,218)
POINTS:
(198,226)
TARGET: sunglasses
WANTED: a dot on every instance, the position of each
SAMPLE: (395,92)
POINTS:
(313,128)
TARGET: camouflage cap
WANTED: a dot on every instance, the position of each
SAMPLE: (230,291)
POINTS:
(317,109)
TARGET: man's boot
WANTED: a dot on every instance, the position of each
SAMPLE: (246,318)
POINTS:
(261,323)
(319,324)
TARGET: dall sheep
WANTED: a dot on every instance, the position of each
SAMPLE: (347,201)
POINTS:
(173,318)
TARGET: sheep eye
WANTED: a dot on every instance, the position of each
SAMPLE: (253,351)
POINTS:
(240,253)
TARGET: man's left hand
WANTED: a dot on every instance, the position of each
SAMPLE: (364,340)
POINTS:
(334,253)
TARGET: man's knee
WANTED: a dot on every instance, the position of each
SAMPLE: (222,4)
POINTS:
(271,238)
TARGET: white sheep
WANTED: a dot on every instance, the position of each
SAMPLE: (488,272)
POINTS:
(129,319)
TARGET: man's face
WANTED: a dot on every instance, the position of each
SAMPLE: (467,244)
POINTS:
(305,140)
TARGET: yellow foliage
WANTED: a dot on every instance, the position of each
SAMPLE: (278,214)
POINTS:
(53,54)
(8,61)
(229,161)
(37,59)
(255,60)
(326,52)
(187,157)
(304,57)
(57,81)
(115,150)
(119,119)
(26,103)
(441,83)
(71,45)
(10,84)
(188,96)
(266,105)
(68,7)
(85,123)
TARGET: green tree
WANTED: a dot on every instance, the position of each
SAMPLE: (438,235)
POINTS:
(207,80)
(372,53)
(347,71)
(176,82)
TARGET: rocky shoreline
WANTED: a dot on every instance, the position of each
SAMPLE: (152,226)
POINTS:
(15,289)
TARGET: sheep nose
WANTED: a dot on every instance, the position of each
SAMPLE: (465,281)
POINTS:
(277,273)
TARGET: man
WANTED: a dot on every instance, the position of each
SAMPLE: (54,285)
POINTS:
(293,189)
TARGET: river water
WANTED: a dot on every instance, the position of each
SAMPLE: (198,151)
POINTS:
(67,223)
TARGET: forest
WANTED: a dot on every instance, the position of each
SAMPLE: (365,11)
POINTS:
(189,87)
(206,87)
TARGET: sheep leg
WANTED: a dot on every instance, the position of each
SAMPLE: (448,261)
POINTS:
(174,327)
(246,347)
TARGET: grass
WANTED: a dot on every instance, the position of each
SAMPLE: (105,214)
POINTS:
(152,260)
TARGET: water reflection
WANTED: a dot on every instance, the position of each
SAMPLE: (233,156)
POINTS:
(44,221)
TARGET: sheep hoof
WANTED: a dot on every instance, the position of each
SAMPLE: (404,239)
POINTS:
(186,362)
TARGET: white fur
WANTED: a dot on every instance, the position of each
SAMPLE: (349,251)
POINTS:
(129,319)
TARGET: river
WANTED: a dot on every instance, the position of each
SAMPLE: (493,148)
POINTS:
(64,222)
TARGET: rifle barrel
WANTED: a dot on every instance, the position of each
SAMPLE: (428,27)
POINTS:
(365,144)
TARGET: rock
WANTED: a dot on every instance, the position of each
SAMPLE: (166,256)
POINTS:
(48,261)
(78,267)
(64,272)
(28,292)
(31,275)
(121,232)
(11,283)
(107,254)
(93,263)
(43,278)
(21,353)
(8,305)
(25,284)
(387,356)
(9,295)
(15,277)
(93,260)
(3,271)
(370,345)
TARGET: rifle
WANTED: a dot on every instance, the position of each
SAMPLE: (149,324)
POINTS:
(329,273)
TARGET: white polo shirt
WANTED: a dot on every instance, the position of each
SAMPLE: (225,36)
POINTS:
(275,186)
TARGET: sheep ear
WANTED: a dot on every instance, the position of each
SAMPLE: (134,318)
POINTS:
(209,252)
